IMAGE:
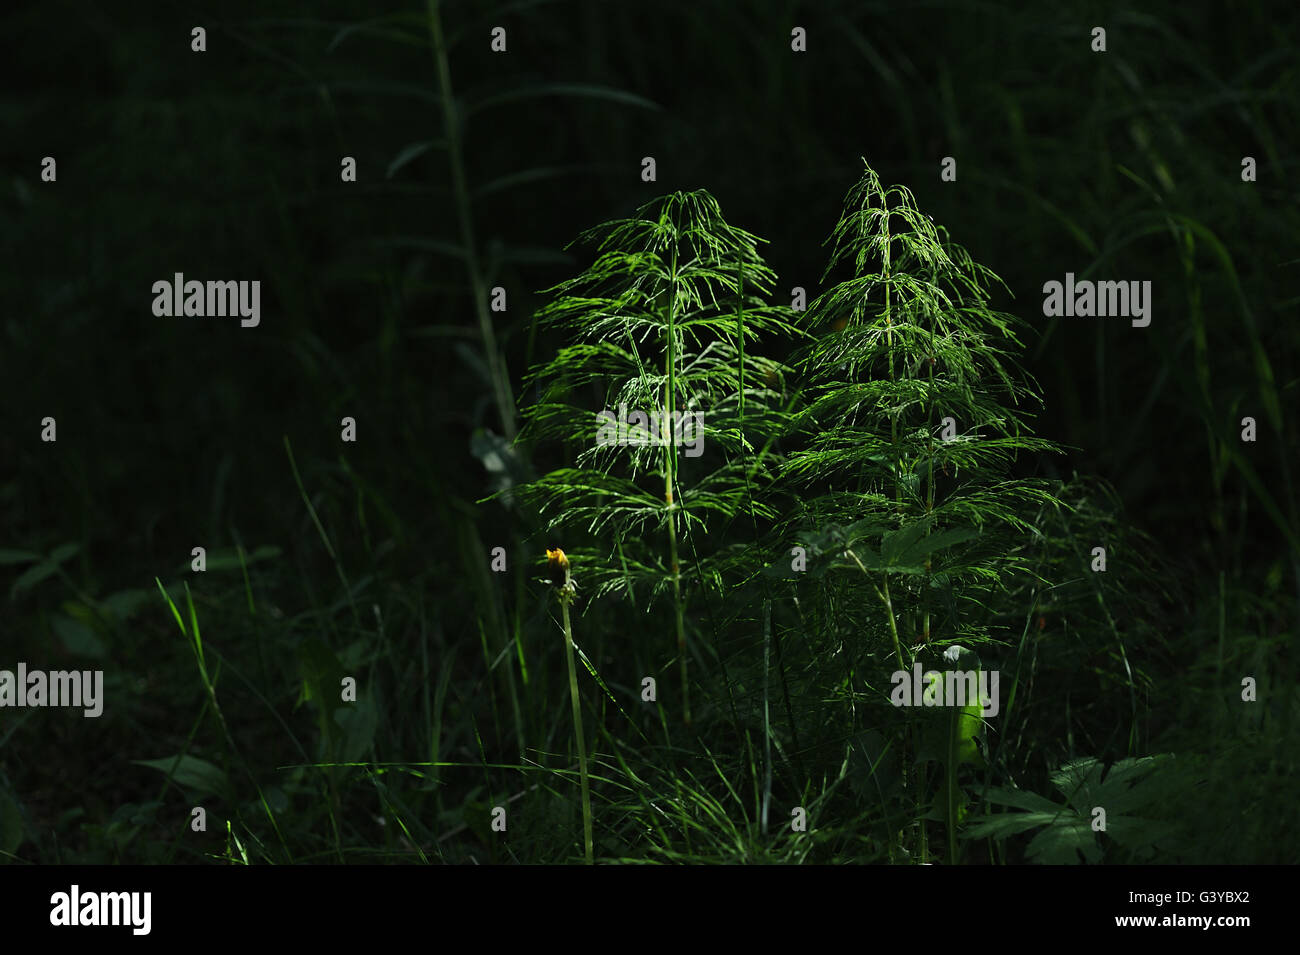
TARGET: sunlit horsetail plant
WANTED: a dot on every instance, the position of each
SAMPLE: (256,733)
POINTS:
(663,321)
(898,516)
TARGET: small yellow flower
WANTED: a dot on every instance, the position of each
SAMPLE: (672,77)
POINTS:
(557,565)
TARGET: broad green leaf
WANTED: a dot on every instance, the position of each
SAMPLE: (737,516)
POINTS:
(970,722)
(1023,799)
(77,637)
(1061,843)
(1008,824)
(190,772)
(124,604)
(46,568)
(910,545)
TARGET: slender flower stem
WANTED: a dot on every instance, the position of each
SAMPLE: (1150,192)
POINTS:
(565,598)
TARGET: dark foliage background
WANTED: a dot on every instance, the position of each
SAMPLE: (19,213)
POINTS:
(173,433)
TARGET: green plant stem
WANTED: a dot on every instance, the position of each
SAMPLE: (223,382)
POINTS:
(893,622)
(565,598)
(920,799)
(677,601)
(950,772)
(883,593)
(670,469)
(460,189)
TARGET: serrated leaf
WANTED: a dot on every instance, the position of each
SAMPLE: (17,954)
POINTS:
(1068,829)
(910,545)
(1023,799)
(864,530)
(1008,824)
(1137,831)
(1061,843)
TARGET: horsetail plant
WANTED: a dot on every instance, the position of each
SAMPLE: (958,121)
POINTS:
(660,396)
(909,429)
